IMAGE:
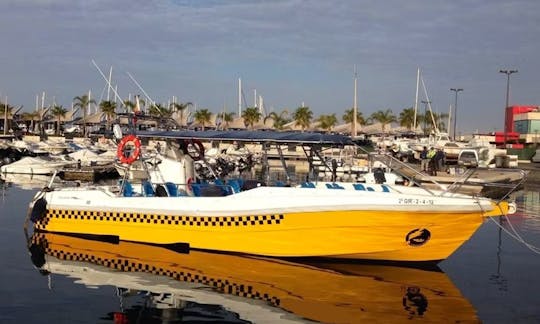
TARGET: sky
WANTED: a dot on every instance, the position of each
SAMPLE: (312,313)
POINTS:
(290,52)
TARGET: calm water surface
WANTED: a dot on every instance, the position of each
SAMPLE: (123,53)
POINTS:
(492,278)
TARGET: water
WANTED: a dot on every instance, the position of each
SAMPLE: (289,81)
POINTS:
(492,278)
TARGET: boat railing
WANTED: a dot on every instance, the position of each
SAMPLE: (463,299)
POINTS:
(510,180)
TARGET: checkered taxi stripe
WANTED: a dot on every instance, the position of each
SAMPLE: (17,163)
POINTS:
(129,265)
(217,221)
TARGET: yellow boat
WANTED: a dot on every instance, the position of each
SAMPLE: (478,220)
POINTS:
(258,289)
(380,222)
(275,221)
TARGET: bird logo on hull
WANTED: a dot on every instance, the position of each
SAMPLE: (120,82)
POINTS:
(418,237)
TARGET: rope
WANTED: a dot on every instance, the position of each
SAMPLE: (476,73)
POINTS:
(513,233)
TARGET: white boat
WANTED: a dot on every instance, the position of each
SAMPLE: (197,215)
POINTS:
(36,165)
(396,225)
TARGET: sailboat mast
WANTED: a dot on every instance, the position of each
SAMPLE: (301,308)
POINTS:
(239,97)
(355,105)
(416,98)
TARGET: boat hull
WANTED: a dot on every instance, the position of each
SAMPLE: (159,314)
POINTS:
(424,234)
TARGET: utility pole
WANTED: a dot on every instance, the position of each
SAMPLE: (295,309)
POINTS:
(508,73)
(456,90)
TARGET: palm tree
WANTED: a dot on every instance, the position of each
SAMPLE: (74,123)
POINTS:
(158,110)
(279,119)
(251,116)
(32,116)
(108,107)
(5,111)
(384,117)
(302,117)
(203,117)
(226,118)
(348,118)
(439,121)
(179,106)
(83,102)
(406,118)
(128,105)
(327,122)
(59,112)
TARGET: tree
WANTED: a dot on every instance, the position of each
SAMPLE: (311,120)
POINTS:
(59,112)
(128,105)
(203,117)
(32,116)
(384,117)
(83,102)
(178,106)
(327,122)
(348,118)
(158,110)
(226,118)
(406,118)
(251,116)
(108,107)
(5,111)
(302,117)
(279,119)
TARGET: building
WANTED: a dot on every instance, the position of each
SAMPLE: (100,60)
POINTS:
(523,121)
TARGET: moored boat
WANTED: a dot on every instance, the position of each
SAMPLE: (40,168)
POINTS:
(384,223)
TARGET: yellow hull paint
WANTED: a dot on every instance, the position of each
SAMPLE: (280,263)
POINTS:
(330,293)
(389,235)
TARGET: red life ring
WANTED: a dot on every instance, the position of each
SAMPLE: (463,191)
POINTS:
(195,149)
(189,182)
(133,155)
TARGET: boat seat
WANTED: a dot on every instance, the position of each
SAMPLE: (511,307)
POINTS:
(370,189)
(358,186)
(161,191)
(385,188)
(127,189)
(333,186)
(307,185)
(235,185)
(172,189)
(148,190)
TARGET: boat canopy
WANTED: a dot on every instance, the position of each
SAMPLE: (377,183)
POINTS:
(252,136)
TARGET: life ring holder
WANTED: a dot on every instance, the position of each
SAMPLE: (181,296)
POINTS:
(198,149)
(134,154)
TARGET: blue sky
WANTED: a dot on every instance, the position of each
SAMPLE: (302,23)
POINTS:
(290,51)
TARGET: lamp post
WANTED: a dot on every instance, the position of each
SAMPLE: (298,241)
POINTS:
(456,90)
(425,113)
(508,73)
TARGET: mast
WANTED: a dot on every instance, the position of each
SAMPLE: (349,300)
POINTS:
(416,98)
(355,105)
(239,97)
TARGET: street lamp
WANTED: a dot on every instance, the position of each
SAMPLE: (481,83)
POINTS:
(456,90)
(425,114)
(508,73)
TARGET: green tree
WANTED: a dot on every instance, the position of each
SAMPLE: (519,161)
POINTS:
(226,119)
(6,110)
(279,119)
(83,102)
(327,122)
(302,116)
(203,117)
(251,116)
(58,112)
(180,107)
(158,110)
(108,107)
(384,117)
(406,118)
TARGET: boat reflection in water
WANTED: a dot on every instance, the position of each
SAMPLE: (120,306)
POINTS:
(234,288)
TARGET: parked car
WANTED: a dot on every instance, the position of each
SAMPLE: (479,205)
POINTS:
(468,158)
